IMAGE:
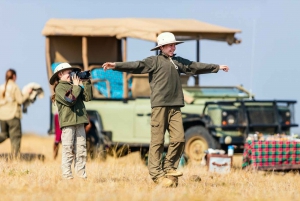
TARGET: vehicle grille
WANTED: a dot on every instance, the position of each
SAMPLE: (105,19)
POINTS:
(261,115)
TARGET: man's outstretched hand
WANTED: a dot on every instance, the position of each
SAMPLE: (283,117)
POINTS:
(224,68)
(108,65)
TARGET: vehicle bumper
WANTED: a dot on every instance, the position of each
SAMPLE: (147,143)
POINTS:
(235,140)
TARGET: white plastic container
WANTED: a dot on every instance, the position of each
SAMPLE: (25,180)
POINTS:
(230,150)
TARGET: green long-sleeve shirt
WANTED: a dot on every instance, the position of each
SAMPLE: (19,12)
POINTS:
(164,77)
(74,112)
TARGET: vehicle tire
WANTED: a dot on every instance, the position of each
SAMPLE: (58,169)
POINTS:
(118,151)
(198,140)
(144,155)
(100,152)
(95,146)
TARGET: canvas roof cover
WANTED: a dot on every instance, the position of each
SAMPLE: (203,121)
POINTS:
(143,28)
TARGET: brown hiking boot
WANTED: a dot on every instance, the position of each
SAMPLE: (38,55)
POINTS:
(174,179)
(172,172)
(164,182)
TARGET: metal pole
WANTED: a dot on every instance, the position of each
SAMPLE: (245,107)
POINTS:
(198,50)
(124,59)
(197,82)
(157,51)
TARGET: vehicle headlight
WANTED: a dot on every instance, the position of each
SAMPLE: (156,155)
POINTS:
(231,119)
(285,117)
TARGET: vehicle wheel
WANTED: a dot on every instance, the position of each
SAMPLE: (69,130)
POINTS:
(96,148)
(100,152)
(198,140)
(144,155)
(119,151)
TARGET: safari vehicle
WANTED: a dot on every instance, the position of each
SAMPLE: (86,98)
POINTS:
(120,111)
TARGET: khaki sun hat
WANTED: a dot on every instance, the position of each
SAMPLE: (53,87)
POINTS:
(164,39)
(58,68)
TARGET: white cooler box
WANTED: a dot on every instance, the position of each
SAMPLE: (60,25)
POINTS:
(219,163)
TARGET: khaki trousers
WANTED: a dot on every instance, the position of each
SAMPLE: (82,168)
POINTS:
(12,129)
(73,141)
(162,119)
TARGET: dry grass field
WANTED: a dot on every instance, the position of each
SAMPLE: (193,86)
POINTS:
(127,179)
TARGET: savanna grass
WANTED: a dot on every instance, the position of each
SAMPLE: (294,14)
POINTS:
(127,178)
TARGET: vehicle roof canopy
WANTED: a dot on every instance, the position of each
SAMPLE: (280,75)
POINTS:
(142,28)
(85,42)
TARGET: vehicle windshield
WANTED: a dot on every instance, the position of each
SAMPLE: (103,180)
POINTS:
(216,92)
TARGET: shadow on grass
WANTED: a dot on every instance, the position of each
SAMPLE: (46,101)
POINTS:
(23,157)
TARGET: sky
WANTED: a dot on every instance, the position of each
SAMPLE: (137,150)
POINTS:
(266,62)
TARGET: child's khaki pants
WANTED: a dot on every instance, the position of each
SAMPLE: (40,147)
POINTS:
(73,140)
(162,119)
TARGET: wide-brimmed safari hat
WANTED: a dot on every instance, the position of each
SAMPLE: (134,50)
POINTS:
(164,39)
(58,68)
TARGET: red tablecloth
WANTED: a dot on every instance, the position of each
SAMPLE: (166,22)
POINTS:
(272,155)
